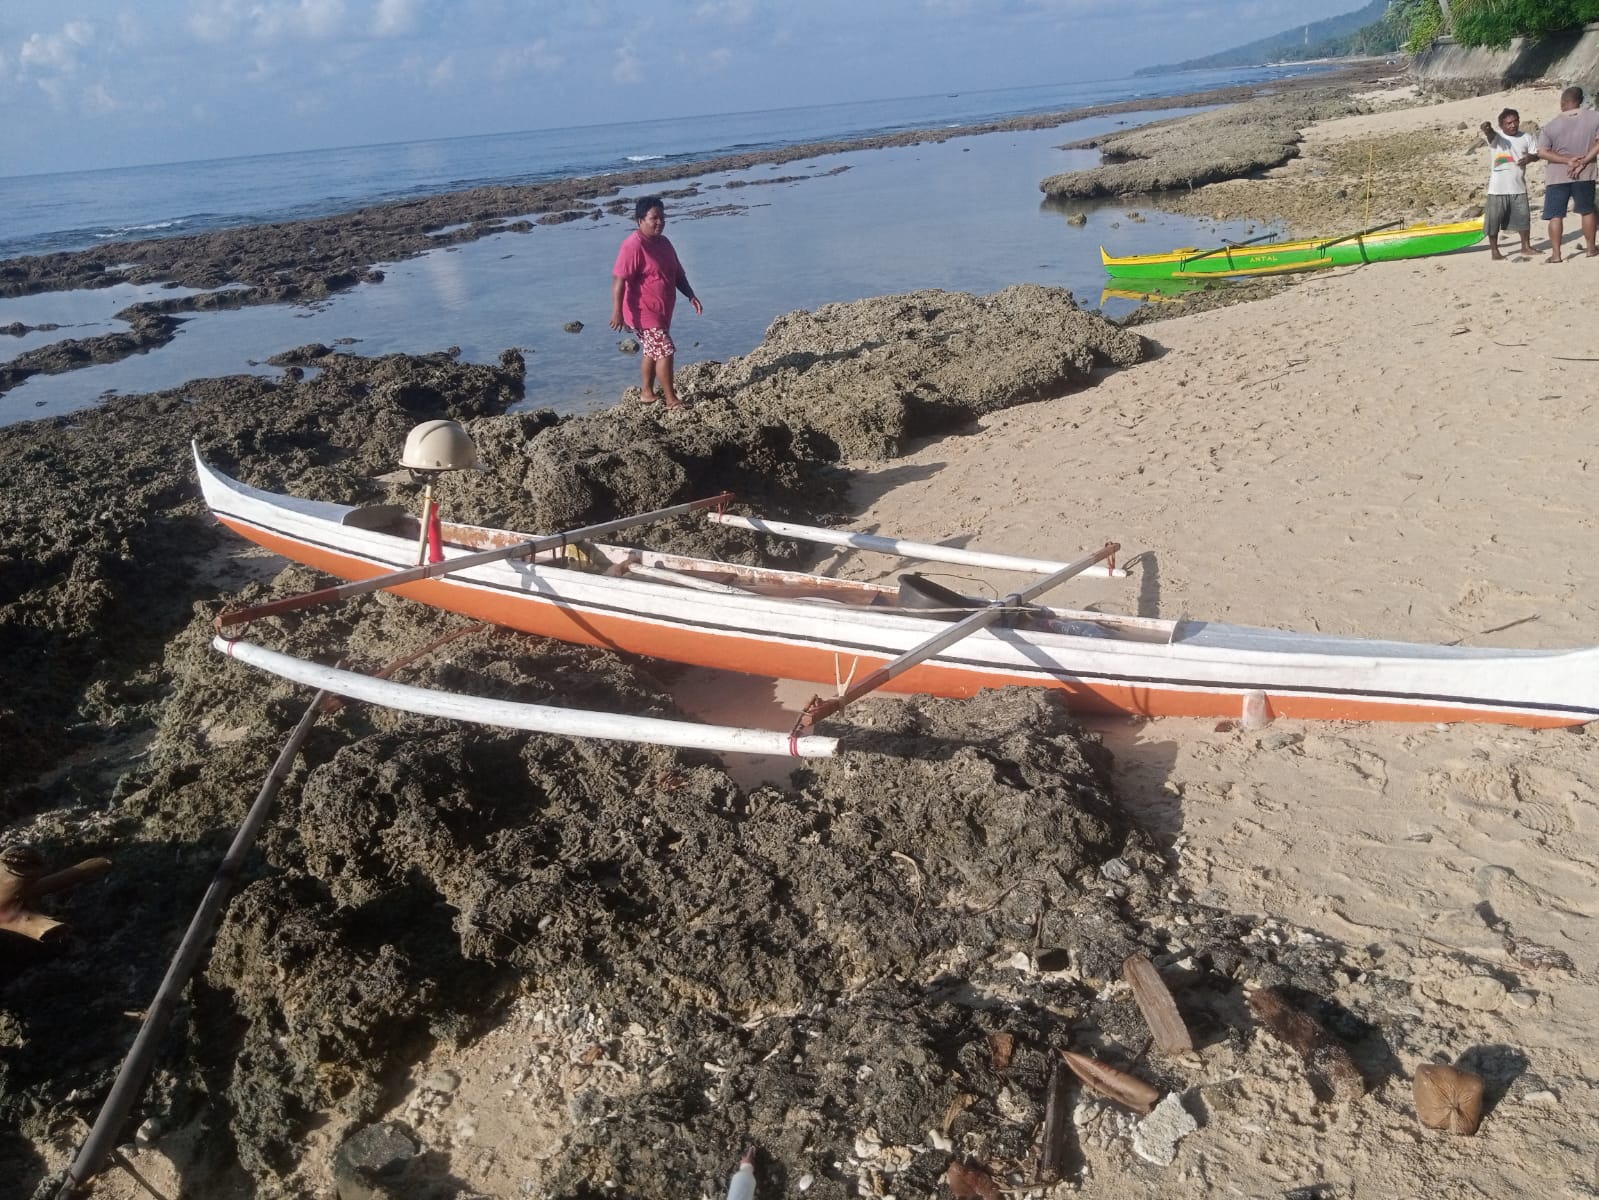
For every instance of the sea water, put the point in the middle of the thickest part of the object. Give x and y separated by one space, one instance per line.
963 214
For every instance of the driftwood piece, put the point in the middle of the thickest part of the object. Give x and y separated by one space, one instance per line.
1118 1086
1052 1164
1155 1001
1448 1098
22 880
1332 1073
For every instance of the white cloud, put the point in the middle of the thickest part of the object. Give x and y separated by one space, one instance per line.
442 72
629 67
271 20
314 19
98 100
213 21
718 58
531 56
733 12
394 18
56 51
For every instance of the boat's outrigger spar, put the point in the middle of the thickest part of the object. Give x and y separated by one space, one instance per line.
856 637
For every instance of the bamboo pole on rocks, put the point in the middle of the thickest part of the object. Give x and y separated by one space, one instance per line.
100 1143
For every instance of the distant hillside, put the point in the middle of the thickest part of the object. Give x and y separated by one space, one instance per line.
1362 32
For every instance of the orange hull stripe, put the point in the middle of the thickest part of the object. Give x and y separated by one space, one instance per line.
754 655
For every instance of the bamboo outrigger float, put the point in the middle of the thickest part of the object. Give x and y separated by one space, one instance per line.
831 632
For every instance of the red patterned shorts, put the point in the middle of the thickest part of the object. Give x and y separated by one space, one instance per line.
656 343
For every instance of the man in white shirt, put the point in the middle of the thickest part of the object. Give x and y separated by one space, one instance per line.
1506 207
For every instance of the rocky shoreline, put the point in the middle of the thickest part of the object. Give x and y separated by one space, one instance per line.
305 261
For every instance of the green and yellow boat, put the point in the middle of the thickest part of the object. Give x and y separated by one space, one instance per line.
1381 244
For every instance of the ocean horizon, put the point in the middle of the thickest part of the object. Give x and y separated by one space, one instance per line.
78 210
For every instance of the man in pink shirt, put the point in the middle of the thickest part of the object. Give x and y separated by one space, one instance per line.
644 287
1569 144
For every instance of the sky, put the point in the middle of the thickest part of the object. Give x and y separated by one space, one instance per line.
108 83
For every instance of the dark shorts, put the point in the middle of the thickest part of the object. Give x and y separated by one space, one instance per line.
656 343
1510 212
1556 196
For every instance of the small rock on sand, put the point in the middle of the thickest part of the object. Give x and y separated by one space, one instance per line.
1155 1138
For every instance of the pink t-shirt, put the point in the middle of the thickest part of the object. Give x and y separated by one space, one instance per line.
650 271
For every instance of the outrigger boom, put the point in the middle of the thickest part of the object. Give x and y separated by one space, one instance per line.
540 718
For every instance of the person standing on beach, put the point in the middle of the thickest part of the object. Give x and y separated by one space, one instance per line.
1568 144
1506 207
644 287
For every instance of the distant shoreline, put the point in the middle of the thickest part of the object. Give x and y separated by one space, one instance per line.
309 260
407 227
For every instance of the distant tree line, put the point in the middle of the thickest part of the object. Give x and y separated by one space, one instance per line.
1485 22
1386 26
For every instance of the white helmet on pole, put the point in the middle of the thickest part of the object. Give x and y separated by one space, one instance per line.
439 446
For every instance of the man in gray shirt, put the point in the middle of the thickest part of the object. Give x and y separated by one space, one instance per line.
1569 144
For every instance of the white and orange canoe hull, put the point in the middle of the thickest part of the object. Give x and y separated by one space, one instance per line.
828 631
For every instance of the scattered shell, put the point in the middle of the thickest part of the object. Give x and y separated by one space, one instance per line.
1448 1098
1124 1089
1116 870
957 1106
1155 1002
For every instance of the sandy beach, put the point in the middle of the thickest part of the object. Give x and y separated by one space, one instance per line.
1404 450
1400 450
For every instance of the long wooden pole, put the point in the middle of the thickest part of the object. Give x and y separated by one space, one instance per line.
818 708
552 541
882 544
101 1141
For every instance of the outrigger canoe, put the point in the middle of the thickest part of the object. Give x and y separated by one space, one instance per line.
1278 258
795 625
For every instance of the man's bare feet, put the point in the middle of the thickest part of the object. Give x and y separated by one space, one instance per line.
1554 258
1496 256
